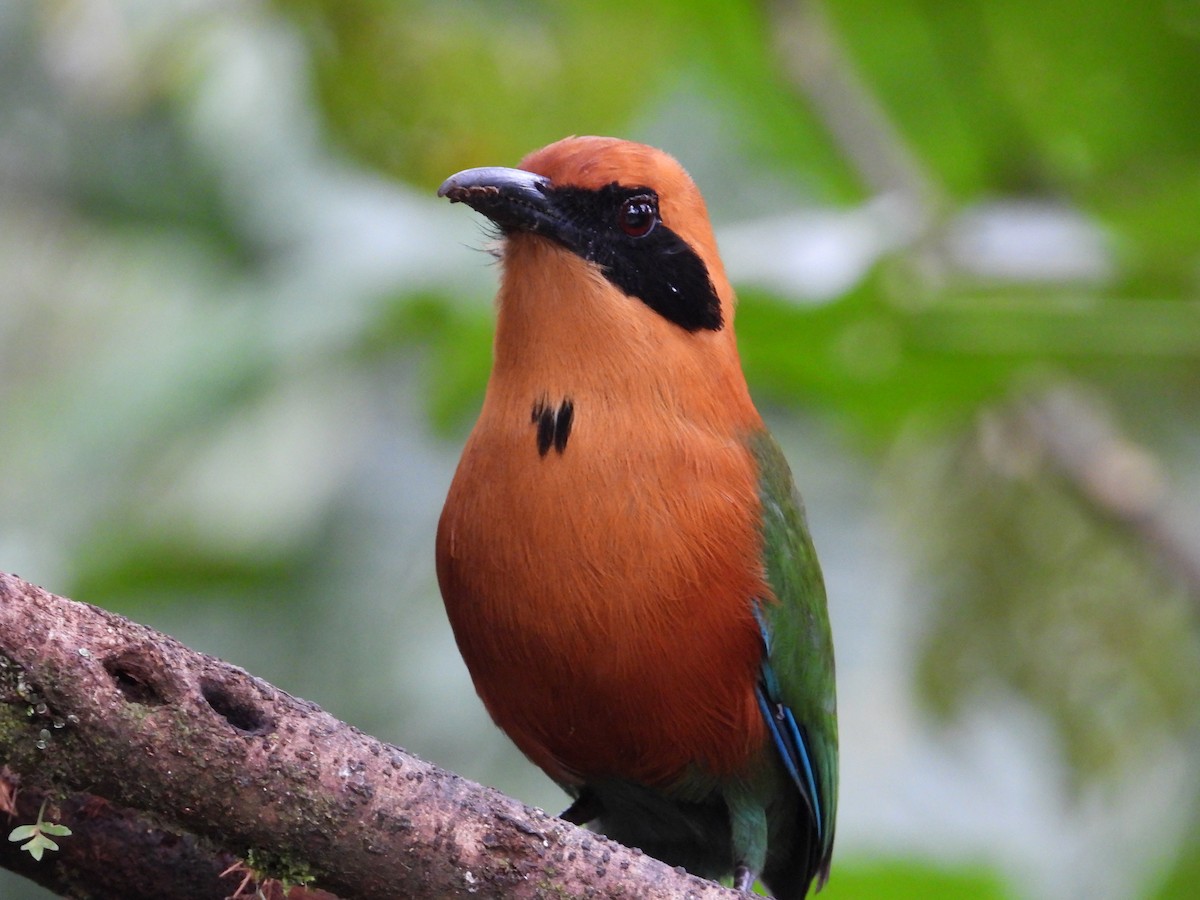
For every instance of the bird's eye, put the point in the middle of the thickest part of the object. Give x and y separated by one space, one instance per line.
638 215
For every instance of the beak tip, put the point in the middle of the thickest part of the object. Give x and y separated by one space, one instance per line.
449 186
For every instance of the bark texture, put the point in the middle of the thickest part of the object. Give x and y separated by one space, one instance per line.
181 753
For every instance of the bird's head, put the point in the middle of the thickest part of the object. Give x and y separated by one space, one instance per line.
629 210
610 276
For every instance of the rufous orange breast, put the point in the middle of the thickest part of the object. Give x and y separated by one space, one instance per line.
599 548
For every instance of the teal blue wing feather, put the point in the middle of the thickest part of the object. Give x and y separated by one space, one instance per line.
790 740
796 690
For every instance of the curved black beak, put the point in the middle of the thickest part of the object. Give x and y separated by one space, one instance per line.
514 199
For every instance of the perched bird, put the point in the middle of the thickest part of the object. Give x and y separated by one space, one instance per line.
624 559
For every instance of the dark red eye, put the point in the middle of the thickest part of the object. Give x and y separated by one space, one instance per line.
638 215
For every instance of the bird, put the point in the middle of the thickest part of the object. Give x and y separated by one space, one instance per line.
623 556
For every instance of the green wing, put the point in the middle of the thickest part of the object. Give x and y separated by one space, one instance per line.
798 691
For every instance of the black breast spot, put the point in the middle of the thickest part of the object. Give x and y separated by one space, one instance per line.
553 424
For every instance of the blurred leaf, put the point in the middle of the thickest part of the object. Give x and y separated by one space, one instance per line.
457 343
1034 594
863 359
469 83
929 73
1009 97
882 364
1180 882
118 155
124 573
1089 101
912 879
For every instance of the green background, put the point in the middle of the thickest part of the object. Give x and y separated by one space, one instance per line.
241 344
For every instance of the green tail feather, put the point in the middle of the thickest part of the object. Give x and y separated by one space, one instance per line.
800 657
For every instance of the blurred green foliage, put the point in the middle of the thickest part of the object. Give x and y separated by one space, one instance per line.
228 325
469 83
905 879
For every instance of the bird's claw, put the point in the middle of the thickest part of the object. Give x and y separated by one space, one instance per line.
743 879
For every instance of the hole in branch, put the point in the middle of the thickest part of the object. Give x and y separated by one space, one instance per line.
134 678
239 711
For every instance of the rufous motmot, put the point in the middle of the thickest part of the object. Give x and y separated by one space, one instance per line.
624 558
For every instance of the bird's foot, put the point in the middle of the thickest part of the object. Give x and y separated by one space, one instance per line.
585 808
743 879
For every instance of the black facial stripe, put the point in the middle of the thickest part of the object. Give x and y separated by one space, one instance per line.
659 268
553 424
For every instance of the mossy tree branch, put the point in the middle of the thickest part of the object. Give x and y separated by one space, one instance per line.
194 747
